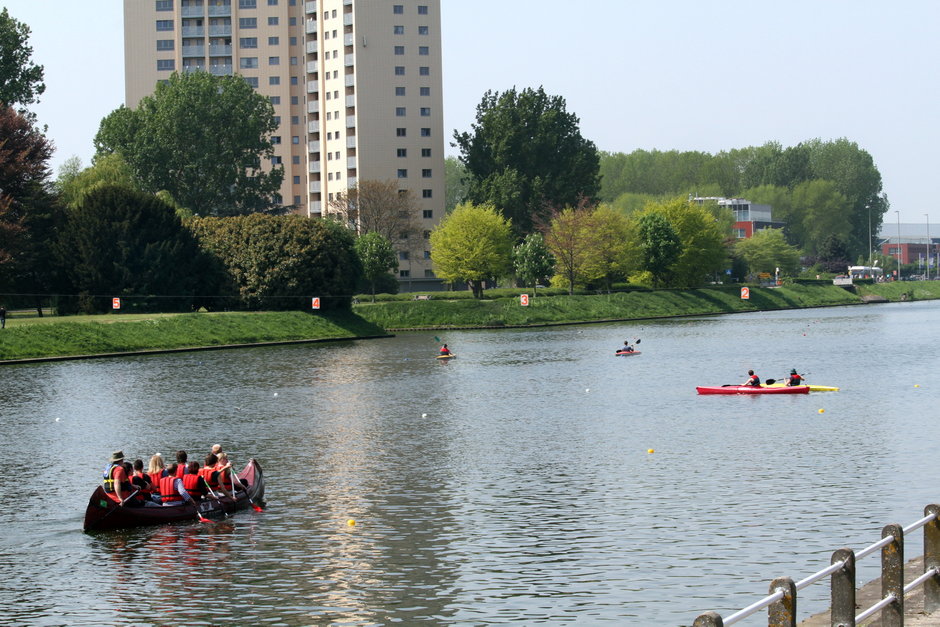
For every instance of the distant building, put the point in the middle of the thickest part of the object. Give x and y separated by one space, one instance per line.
749 217
910 241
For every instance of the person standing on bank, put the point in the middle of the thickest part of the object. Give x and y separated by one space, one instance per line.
3 317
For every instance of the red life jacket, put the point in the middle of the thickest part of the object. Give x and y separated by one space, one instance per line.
126 487
180 470
145 493
194 485
210 475
224 478
155 478
168 492
754 380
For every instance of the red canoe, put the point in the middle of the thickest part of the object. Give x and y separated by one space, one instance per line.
104 513
751 389
626 353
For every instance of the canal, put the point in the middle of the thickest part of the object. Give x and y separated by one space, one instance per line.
512 485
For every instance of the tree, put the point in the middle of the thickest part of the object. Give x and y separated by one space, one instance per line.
202 138
609 235
525 155
472 244
108 170
380 207
532 260
280 262
121 242
659 245
20 78
702 238
570 238
377 257
766 251
824 212
455 183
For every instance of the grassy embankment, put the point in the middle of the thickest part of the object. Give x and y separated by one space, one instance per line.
28 337
33 337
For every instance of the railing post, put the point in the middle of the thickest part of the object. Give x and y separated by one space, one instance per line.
708 619
932 559
892 576
782 613
842 590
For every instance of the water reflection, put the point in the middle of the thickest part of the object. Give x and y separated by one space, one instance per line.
510 485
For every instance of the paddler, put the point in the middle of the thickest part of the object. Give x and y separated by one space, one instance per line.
445 350
752 379
117 484
794 378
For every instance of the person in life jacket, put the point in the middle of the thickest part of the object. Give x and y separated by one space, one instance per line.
226 477
117 484
752 379
172 492
445 350
156 470
794 378
141 481
181 463
193 482
626 348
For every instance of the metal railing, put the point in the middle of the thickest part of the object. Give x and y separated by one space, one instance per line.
781 602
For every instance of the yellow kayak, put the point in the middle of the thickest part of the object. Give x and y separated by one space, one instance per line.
812 388
451 356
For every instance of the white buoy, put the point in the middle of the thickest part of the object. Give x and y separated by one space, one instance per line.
424 415
587 389
57 420
275 395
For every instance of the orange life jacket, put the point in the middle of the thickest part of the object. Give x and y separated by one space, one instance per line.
194 485
211 476
168 492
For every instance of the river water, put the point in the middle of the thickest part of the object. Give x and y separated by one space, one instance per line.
513 485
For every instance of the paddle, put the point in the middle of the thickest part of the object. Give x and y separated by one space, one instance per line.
243 487
217 499
770 381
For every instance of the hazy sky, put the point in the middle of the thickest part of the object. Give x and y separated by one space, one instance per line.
703 75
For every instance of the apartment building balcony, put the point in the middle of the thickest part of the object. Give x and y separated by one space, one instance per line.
351 182
220 30
313 147
314 167
349 60
350 80
347 3
192 11
220 70
314 207
313 106
312 46
347 19
313 87
189 69
350 121
224 10
193 31
351 100
351 163
194 51
349 39
312 67
220 51
314 187
310 27
351 141
310 7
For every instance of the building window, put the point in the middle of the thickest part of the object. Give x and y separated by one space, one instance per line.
425 132
293 21
400 112
273 21
296 200
276 161
275 100
329 156
164 5
403 255
426 193
425 111
398 9
425 91
427 255
274 60
333 15
293 80
293 41
329 115
247 4
164 25
401 132
295 160
427 214
247 63
247 22
424 51
424 70
404 274
398 30
295 119
425 152
399 91
399 50
248 42
426 173
274 80
295 100
252 81
422 30
273 41
296 180
166 65
277 120
272 3
427 235
295 139
422 9
275 139
293 60
399 70
401 152
402 173
166 44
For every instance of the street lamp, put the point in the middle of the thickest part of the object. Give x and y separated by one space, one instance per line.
927 215
868 206
899 244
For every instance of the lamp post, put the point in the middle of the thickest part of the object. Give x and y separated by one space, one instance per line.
899 244
927 215
868 206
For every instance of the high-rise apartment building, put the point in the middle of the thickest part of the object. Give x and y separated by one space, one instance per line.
356 86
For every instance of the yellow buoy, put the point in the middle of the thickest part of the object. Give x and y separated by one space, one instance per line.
650 451
916 385
351 522
822 411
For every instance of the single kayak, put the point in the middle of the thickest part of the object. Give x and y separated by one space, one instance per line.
104 513
751 389
812 388
627 353
451 356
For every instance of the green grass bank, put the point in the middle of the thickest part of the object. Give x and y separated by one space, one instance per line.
27 337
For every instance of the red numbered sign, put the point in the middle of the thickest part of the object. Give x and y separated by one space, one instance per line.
745 293
524 300
115 303
315 303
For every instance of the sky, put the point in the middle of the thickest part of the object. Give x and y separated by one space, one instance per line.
705 75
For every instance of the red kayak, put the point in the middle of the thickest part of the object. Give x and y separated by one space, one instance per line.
626 353
751 389
104 513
